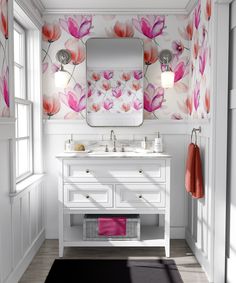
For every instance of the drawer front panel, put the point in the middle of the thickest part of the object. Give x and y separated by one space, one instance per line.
88 195
155 170
140 195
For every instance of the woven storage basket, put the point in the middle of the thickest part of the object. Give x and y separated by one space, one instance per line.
90 228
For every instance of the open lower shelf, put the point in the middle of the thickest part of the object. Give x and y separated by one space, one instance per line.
151 236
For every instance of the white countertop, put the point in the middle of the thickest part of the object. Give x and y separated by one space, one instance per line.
96 154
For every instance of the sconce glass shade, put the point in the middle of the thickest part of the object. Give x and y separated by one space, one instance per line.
61 78
167 79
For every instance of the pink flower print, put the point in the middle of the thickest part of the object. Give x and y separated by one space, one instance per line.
180 70
51 105
76 50
207 103
74 98
195 46
125 107
176 116
96 77
187 33
197 14
118 83
138 75
45 67
137 104
108 104
122 30
177 47
90 92
108 74
78 26
196 95
208 10
136 85
153 98
106 85
117 92
51 32
186 107
150 52
151 26
4 18
202 59
96 107
126 77
55 67
4 87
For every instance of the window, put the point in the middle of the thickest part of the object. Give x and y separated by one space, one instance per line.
23 107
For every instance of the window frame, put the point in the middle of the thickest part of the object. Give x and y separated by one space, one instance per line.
23 99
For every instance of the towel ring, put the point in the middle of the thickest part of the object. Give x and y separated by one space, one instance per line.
194 130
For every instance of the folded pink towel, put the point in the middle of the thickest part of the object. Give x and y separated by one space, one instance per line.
113 226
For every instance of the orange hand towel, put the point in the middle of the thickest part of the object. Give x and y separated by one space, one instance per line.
190 169
198 189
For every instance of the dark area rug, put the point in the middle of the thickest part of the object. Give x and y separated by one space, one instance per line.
113 271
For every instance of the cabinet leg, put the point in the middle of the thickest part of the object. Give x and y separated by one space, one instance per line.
61 250
167 249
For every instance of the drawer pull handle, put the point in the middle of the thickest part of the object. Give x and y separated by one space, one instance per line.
141 171
87 171
140 196
87 196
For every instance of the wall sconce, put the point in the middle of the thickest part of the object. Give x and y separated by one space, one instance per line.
62 76
167 76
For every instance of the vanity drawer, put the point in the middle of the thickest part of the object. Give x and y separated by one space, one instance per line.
140 195
88 195
120 171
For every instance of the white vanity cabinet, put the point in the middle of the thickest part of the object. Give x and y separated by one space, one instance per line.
91 184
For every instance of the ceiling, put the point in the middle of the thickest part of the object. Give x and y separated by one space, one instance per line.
178 6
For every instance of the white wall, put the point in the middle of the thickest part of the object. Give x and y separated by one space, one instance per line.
231 212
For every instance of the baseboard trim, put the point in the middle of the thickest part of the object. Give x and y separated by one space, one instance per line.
202 259
21 267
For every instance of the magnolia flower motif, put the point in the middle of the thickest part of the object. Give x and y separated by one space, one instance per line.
178 47
108 74
208 10
187 33
96 77
125 107
137 104
136 85
202 59
96 107
195 46
181 69
207 103
126 77
196 95
90 92
153 98
51 105
4 87
4 18
108 104
186 107
204 34
116 92
76 49
150 52
74 98
122 30
138 75
106 85
78 26
197 14
151 26
51 32
176 116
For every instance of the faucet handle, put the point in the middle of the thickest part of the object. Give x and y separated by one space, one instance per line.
122 148
106 148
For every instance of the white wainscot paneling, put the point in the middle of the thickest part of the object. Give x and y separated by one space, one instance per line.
56 132
199 218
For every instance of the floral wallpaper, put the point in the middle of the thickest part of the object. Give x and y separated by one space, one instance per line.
4 80
115 91
187 37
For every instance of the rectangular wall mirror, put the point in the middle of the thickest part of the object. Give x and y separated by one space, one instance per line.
114 82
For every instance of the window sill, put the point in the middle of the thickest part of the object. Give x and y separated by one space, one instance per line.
27 183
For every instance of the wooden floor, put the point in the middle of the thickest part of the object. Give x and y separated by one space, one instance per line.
188 266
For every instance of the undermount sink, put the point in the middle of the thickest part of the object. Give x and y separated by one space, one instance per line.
111 153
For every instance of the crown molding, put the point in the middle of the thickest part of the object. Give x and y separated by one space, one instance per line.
115 11
39 5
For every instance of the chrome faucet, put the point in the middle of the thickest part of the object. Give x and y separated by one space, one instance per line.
113 138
